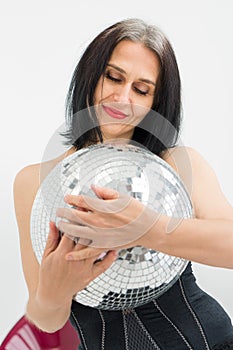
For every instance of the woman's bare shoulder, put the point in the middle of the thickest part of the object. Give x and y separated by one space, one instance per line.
201 182
28 179
187 162
173 156
182 160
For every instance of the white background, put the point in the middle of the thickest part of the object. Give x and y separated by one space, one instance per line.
41 41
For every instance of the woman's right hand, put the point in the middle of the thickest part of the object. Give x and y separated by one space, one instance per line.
60 278
53 282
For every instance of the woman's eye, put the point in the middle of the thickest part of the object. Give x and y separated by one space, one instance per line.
139 88
141 92
113 78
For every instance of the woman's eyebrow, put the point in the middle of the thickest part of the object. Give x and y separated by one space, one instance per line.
124 72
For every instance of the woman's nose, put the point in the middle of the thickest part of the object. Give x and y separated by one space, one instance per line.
123 93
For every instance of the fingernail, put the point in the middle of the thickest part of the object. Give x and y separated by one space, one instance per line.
114 253
66 198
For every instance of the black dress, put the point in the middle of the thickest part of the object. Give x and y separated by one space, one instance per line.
184 317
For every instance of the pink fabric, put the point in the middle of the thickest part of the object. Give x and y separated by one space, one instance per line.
25 336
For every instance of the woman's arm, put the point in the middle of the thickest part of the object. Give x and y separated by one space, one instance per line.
25 188
204 241
52 284
207 238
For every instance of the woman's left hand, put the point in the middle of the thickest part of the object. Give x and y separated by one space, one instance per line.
112 220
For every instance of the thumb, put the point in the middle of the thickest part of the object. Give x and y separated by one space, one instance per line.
104 192
52 239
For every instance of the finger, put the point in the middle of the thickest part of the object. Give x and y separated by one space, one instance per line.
66 244
53 239
76 217
104 264
72 254
84 242
104 192
115 203
101 238
76 230
79 245
80 201
87 253
71 214
109 200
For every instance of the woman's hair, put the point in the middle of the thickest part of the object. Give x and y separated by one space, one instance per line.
160 128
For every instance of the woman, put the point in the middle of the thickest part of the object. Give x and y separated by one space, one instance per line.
129 74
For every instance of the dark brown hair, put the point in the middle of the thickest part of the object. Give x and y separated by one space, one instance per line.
159 129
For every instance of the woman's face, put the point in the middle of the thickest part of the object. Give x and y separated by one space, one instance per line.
125 92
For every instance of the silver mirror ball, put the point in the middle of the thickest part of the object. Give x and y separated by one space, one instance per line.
138 275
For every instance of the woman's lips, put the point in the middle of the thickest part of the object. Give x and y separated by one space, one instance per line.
114 113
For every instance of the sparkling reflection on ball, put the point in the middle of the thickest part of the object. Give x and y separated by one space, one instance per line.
139 274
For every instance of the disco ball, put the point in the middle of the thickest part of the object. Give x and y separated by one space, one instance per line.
138 275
